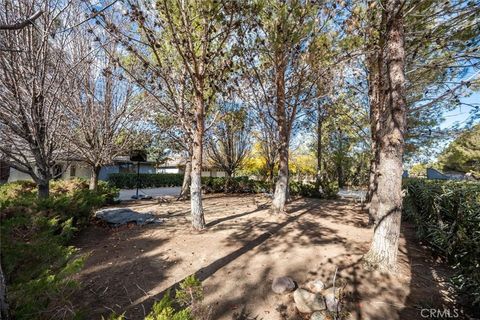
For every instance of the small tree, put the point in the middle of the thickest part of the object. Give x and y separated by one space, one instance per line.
229 141
35 73
104 113
176 138
277 69
186 40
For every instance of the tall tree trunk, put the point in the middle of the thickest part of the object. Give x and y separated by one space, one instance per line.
384 247
371 196
340 174
318 180
280 197
4 171
340 170
375 103
186 180
198 220
271 175
375 62
95 171
43 187
4 312
228 181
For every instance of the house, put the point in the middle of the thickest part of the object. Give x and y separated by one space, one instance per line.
122 164
176 164
447 175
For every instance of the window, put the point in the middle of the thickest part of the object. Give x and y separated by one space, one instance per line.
57 171
126 167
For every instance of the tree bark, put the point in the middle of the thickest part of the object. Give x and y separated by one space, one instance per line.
198 220
4 171
229 181
280 196
375 102
375 61
271 176
340 171
43 187
95 171
384 247
186 180
22 24
340 174
318 180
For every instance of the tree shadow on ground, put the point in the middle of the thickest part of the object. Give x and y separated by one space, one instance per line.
207 271
130 269
418 283
108 285
338 210
430 291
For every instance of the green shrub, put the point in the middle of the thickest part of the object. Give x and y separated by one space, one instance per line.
164 310
214 184
38 262
146 180
246 185
447 215
189 297
233 185
329 188
190 291
115 316
303 189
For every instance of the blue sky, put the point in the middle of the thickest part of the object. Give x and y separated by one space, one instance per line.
461 115
457 117
454 118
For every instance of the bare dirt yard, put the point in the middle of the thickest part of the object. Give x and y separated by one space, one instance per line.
242 249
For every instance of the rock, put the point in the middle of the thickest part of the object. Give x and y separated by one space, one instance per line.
307 302
315 286
332 303
318 315
331 299
283 285
120 216
329 291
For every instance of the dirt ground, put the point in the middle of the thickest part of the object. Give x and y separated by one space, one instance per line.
243 249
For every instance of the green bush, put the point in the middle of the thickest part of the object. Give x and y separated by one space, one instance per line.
303 189
164 310
329 188
246 185
447 216
146 180
35 233
233 185
188 297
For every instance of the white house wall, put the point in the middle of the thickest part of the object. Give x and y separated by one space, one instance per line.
168 170
16 175
220 174
83 171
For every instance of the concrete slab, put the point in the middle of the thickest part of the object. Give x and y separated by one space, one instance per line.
126 194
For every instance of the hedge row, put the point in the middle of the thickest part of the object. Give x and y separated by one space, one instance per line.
447 216
215 184
234 185
246 185
146 180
